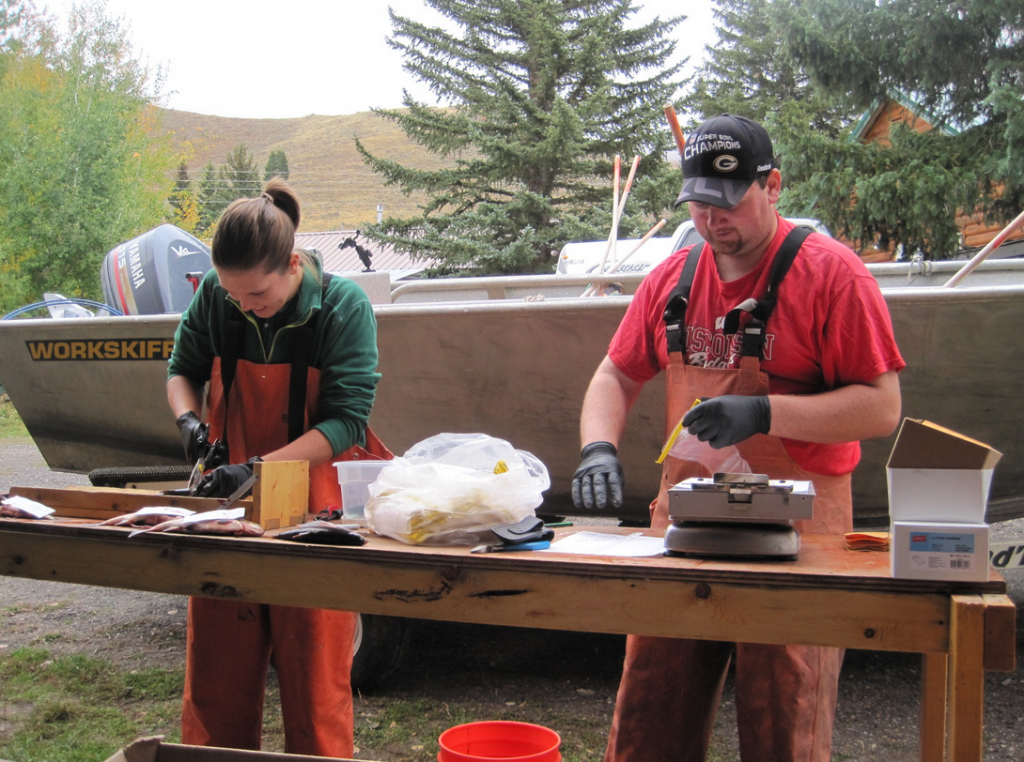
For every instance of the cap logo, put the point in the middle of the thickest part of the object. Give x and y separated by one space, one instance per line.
725 163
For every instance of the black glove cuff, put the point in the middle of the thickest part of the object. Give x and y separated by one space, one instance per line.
764 415
185 418
596 447
254 459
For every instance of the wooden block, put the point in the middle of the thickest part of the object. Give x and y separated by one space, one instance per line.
1000 633
107 502
281 495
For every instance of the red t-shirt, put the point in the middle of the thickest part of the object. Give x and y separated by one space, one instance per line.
830 328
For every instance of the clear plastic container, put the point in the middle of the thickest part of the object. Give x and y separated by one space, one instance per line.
355 478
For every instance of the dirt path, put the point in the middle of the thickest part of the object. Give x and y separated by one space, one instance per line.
483 671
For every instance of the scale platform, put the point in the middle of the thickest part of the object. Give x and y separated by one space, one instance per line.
737 516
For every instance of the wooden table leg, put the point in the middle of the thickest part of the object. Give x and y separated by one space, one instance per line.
966 678
934 668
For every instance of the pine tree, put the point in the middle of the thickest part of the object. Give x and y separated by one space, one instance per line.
962 64
277 166
182 188
211 199
542 95
748 72
240 175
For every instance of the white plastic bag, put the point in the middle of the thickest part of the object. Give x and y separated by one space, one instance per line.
451 489
726 460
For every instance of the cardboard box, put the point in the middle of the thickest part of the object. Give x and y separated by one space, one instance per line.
939 551
935 474
155 750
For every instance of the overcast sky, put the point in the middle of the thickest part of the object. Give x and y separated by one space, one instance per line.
290 58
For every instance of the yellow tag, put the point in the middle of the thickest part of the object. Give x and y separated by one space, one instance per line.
500 467
675 434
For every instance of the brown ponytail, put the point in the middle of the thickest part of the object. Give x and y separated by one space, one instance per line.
258 232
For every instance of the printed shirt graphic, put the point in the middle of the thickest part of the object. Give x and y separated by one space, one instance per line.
830 328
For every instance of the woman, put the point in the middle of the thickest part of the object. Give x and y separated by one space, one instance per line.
290 355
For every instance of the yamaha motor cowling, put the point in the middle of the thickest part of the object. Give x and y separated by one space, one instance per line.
155 273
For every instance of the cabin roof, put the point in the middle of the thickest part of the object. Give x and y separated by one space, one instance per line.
899 106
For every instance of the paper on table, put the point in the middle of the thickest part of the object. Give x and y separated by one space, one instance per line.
633 545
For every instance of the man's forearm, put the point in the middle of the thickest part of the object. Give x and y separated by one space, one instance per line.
849 414
607 404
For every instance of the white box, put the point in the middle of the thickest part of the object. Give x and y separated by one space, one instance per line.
939 551
935 474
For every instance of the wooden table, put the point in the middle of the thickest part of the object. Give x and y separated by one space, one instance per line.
829 597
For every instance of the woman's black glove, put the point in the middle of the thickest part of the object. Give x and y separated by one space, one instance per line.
599 480
724 421
194 435
221 482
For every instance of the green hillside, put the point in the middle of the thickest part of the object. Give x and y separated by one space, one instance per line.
336 190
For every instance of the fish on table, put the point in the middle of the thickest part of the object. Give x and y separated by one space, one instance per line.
218 522
148 516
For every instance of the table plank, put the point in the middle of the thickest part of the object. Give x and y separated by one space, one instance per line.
656 596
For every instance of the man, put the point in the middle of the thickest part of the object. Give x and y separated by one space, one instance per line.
793 389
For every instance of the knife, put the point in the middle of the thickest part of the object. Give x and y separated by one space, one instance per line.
239 493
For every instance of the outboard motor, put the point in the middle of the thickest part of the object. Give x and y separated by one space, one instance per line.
149 275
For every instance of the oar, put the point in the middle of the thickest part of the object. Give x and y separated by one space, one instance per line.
614 234
592 288
677 132
641 242
980 257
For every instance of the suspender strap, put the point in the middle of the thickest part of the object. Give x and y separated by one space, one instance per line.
234 329
678 298
761 309
302 352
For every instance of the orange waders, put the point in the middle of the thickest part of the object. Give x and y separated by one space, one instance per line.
230 643
670 688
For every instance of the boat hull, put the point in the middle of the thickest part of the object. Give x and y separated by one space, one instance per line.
91 391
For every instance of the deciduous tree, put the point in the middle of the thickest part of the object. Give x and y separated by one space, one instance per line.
82 164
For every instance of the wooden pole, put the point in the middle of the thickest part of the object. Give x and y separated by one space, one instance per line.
614 234
677 132
980 257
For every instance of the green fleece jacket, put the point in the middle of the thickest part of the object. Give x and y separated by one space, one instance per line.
344 346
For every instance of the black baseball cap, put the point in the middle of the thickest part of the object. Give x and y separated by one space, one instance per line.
722 158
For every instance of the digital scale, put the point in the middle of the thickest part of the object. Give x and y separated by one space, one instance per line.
737 515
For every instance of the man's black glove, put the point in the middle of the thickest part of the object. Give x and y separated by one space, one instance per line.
599 480
724 421
194 435
222 481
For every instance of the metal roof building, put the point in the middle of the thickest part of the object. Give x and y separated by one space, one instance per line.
343 251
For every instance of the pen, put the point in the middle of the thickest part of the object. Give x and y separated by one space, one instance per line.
558 524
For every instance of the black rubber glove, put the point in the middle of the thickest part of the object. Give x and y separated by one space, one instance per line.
221 482
599 480
724 421
194 434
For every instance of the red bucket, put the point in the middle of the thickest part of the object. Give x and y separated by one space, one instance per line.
507 741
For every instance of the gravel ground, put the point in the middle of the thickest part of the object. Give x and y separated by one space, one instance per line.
877 718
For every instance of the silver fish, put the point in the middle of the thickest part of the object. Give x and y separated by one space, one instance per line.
235 527
139 519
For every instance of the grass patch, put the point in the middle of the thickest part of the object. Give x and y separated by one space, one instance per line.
10 421
78 709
